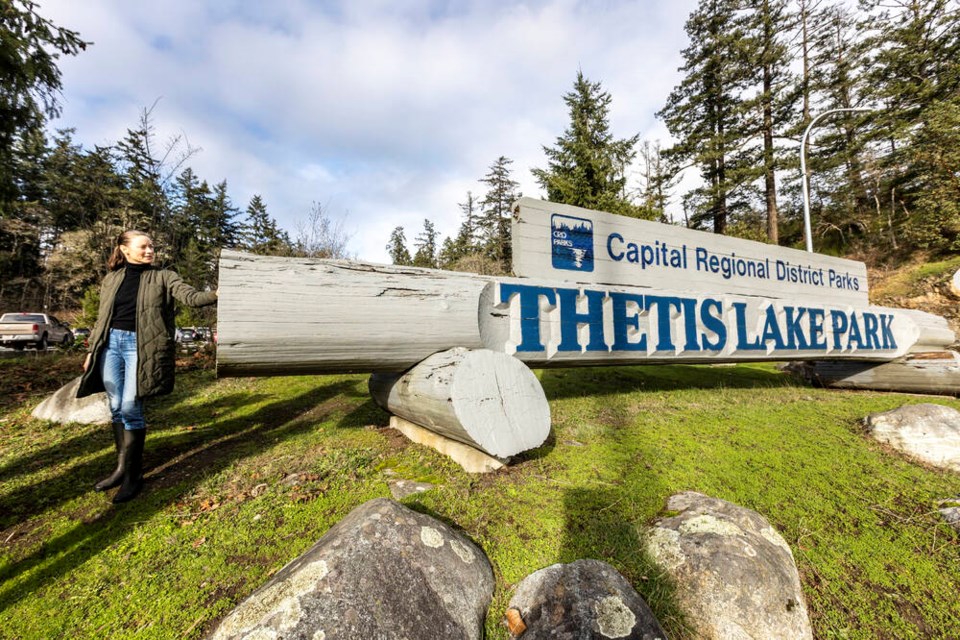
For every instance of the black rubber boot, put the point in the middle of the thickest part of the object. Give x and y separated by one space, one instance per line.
115 478
132 465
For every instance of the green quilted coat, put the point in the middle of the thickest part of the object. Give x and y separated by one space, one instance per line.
156 349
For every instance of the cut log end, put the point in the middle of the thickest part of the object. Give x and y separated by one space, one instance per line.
487 400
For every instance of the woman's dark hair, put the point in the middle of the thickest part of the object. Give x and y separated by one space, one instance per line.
116 259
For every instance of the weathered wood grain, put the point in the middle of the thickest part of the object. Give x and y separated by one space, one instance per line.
283 316
532 258
936 373
487 400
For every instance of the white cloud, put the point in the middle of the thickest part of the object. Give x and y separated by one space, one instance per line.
385 112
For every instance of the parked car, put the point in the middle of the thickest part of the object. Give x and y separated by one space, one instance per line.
18 330
185 335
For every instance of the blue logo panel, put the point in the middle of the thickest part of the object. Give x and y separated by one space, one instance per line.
571 242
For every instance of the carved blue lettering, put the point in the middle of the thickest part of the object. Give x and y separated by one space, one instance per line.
795 336
664 305
817 339
529 312
690 324
570 320
742 342
610 239
854 333
771 329
886 328
713 323
838 320
622 322
871 328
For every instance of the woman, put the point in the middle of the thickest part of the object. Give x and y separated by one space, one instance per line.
132 350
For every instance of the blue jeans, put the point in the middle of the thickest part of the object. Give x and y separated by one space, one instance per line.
119 372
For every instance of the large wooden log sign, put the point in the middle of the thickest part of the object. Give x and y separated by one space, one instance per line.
283 316
598 289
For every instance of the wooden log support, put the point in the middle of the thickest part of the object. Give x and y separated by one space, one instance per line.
935 373
484 399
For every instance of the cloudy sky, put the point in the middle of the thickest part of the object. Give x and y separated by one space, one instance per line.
384 112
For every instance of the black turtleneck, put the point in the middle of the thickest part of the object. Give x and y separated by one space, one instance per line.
125 304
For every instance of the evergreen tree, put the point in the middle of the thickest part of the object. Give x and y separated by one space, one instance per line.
223 219
143 172
80 187
151 175
426 247
30 159
915 76
397 248
496 210
836 157
261 234
466 242
769 114
30 46
705 114
936 155
588 166
189 221
656 181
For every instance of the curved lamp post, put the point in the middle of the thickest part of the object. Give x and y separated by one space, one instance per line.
807 234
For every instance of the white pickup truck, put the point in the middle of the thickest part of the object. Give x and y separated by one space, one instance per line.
17 330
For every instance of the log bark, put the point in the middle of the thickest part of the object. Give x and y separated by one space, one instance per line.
484 399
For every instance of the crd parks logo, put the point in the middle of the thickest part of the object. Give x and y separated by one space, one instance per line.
571 240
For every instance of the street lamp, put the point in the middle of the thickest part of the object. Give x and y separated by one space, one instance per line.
807 234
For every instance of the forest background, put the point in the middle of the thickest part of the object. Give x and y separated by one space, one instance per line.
885 179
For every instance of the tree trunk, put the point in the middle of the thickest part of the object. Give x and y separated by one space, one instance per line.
769 161
487 400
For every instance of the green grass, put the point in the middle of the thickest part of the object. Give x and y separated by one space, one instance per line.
223 510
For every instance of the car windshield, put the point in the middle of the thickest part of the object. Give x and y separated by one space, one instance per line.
22 317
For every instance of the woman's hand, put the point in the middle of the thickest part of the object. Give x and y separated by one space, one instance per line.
86 362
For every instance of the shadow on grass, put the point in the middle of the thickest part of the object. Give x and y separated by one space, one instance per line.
75 480
194 455
606 520
601 381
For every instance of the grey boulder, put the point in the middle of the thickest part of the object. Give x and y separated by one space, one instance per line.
583 600
735 576
928 432
63 406
950 511
383 572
